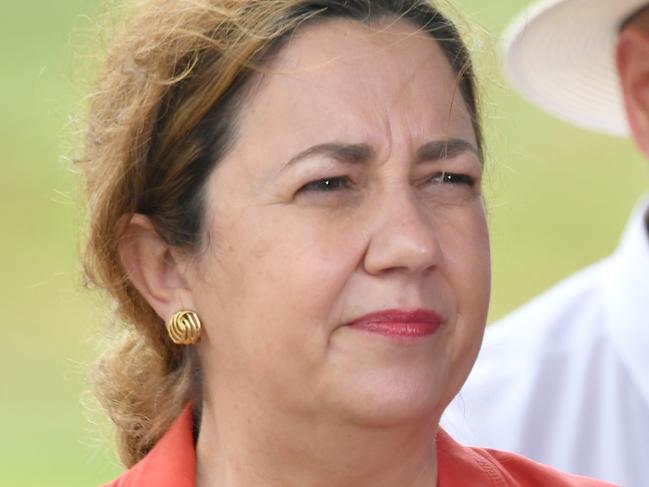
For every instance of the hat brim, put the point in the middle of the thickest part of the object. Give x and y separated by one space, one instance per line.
561 55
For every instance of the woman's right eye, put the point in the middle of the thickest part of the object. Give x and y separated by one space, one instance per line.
326 185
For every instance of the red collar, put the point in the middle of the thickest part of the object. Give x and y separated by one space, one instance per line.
172 463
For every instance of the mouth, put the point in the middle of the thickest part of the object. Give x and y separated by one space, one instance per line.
399 324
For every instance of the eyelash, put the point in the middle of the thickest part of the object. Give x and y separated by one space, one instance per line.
328 185
453 178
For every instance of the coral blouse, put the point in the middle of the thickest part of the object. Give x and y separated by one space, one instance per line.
172 463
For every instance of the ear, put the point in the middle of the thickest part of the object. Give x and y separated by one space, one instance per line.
633 68
153 268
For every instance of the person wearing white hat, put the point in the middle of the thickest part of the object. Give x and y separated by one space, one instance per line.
565 379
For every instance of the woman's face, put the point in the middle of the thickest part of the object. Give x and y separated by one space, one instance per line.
353 189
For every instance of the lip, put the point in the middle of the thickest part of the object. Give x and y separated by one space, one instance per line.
400 324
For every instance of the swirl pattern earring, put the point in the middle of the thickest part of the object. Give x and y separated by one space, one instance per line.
184 328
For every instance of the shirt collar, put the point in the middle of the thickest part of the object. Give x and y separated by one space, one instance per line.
171 463
626 285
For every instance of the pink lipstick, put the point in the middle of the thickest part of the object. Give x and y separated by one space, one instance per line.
400 324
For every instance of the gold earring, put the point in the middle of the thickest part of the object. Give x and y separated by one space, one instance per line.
184 328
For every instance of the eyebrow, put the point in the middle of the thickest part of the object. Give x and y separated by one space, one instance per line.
363 153
349 153
445 149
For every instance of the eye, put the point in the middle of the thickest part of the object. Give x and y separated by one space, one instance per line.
326 185
453 178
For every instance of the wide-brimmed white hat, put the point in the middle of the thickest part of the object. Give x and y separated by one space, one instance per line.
561 55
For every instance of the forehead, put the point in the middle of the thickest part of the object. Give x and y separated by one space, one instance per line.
351 42
368 79
389 53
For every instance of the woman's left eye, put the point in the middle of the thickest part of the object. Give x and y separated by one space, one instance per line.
326 185
452 178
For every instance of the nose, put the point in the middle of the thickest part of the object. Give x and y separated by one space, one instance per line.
402 238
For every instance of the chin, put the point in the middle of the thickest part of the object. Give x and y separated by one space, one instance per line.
394 398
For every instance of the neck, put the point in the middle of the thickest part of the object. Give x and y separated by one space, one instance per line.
237 449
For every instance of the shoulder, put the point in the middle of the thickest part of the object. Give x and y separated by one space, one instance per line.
557 330
461 465
564 318
568 300
522 471
538 352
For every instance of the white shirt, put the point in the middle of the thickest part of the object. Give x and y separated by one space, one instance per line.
565 379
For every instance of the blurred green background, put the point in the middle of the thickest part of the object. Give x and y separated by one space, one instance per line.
558 197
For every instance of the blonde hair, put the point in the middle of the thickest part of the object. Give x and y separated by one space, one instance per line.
162 114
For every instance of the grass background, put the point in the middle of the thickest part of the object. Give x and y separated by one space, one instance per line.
558 196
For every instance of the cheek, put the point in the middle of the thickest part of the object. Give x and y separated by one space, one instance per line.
282 286
467 268
287 273
303 257
467 258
